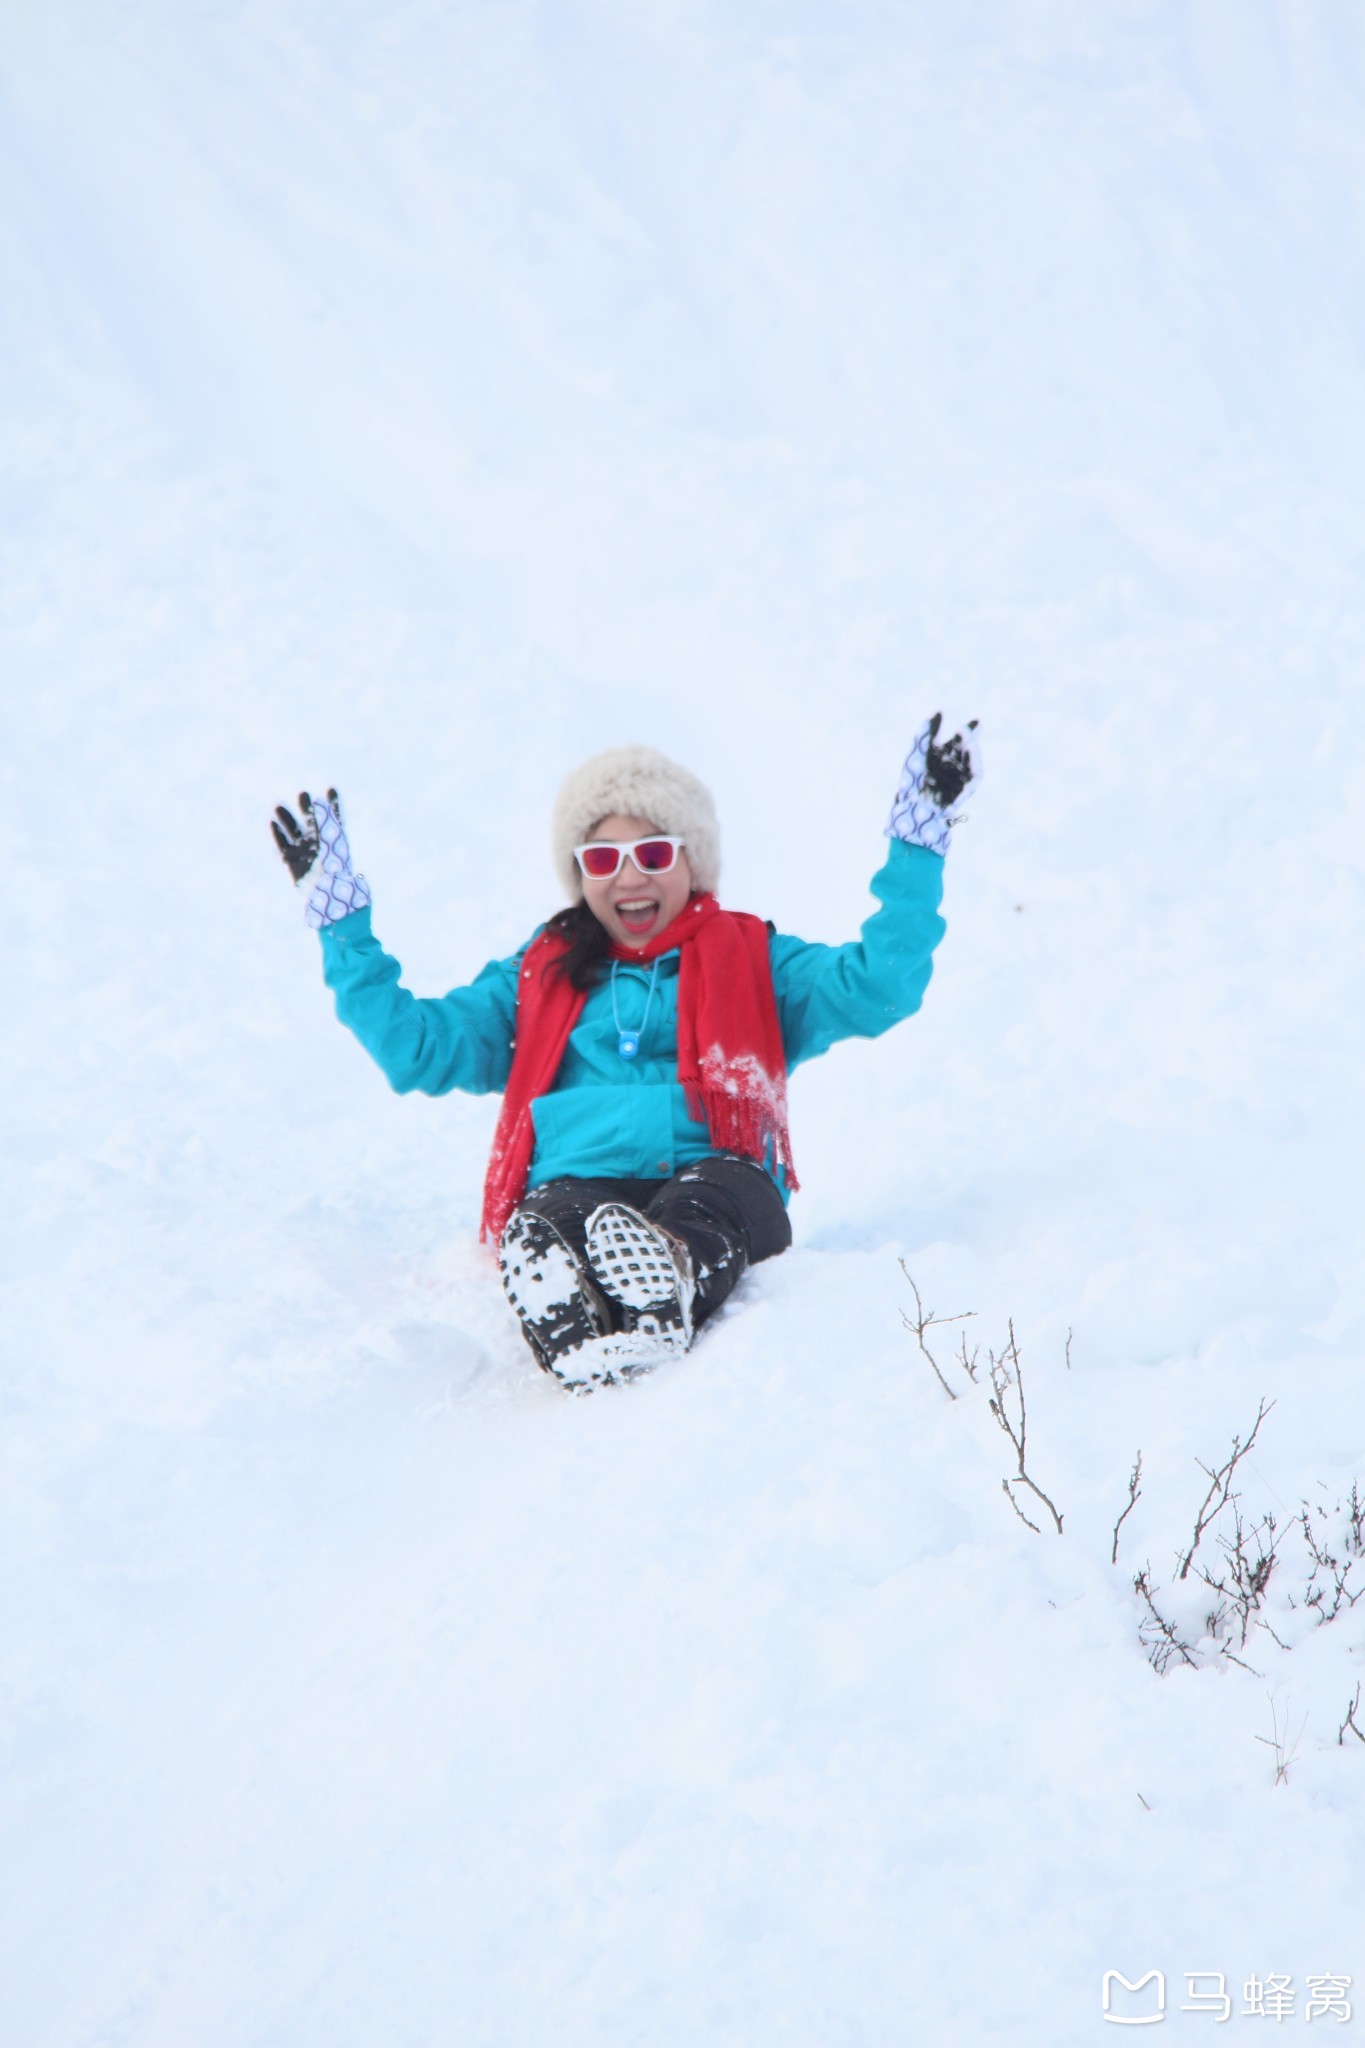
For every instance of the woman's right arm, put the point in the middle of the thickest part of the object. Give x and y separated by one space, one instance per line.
430 1043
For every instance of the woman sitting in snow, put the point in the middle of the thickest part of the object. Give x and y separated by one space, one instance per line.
642 1040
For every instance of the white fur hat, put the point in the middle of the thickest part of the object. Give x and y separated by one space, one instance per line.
637 782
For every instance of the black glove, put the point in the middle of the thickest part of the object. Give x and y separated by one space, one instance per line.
320 839
936 776
949 767
298 843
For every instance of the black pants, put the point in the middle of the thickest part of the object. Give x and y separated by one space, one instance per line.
725 1209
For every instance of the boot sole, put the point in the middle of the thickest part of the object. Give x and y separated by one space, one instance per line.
550 1294
636 1265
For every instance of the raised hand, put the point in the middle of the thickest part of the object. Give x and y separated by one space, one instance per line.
320 839
298 843
936 776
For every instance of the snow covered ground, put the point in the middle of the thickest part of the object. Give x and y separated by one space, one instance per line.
423 396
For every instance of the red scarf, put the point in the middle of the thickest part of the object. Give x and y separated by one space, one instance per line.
730 1057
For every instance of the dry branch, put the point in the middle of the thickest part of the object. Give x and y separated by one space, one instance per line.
1134 1495
1168 1644
1279 1741
1355 1519
1250 1555
1005 1489
1220 1486
1006 1373
925 1319
1329 1577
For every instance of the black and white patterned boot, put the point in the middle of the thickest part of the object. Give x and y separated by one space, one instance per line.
561 1313
649 1272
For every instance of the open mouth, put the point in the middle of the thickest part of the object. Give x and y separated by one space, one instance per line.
637 914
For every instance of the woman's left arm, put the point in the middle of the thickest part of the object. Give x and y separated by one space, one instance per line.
825 993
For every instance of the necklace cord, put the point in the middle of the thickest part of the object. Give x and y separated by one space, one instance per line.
628 1042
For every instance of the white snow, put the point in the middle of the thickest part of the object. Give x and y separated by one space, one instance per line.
418 398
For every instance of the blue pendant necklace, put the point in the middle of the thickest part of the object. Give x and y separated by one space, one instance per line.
628 1042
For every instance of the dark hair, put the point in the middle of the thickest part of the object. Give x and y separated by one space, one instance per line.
588 947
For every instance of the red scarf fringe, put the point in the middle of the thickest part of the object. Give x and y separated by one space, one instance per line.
731 1061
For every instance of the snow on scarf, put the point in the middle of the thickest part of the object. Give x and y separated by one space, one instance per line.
730 1058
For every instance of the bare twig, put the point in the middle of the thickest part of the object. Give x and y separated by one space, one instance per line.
925 1319
1168 1644
1006 1373
1005 1489
1355 1519
1220 1486
1068 1350
1330 1574
1134 1495
1250 1555
1278 1740
1249 1668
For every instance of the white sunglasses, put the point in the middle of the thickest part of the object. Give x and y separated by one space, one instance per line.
603 858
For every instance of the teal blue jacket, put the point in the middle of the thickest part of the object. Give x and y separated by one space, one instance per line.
619 1118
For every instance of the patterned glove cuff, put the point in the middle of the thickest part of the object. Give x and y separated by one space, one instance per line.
337 889
914 817
934 781
920 823
336 896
